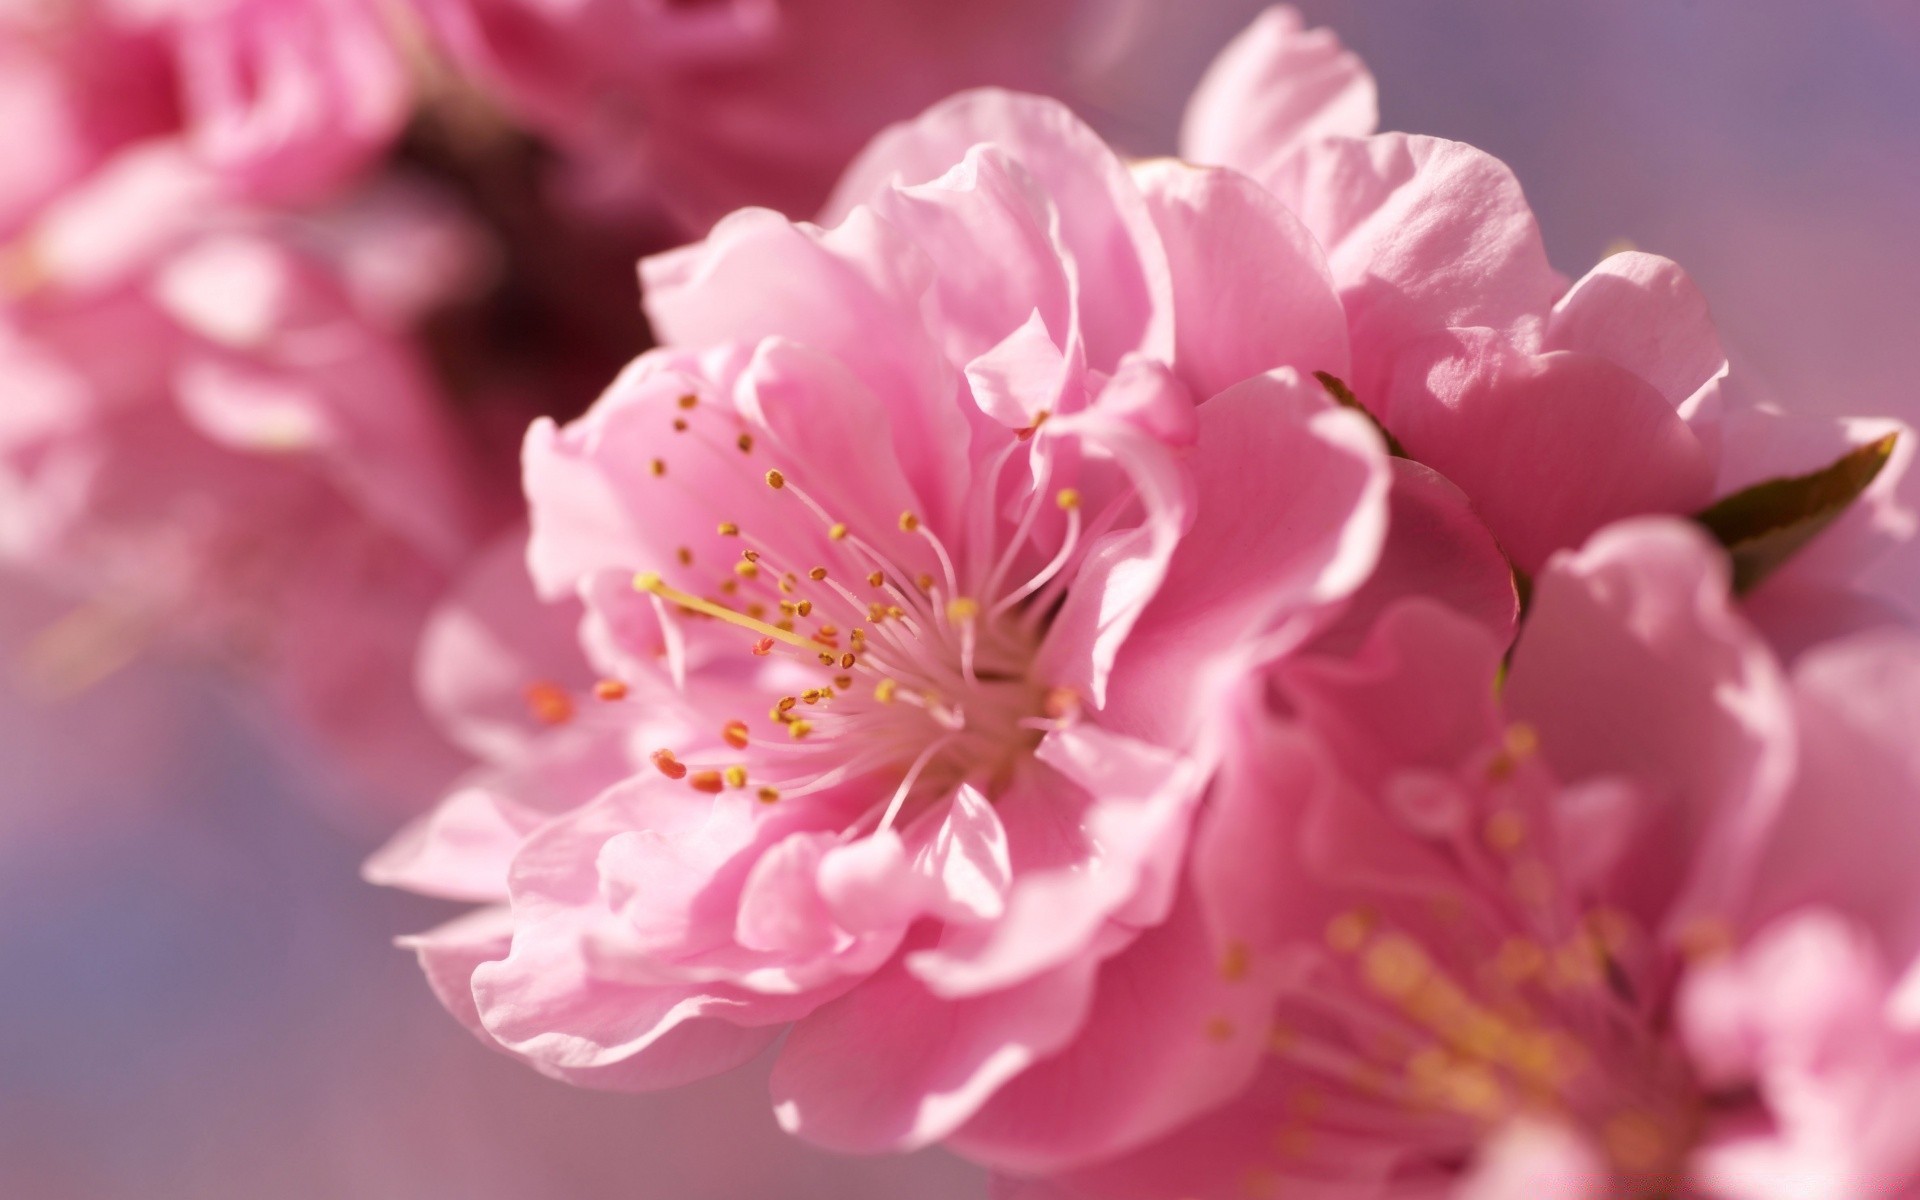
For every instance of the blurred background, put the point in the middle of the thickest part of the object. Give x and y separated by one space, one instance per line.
198 998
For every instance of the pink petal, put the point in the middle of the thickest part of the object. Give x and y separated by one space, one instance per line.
1119 268
1421 235
1275 86
1250 288
943 1058
1641 312
1549 447
1635 664
1170 1035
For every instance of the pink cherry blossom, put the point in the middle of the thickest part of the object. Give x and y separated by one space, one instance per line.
912 562
705 107
1636 923
1556 408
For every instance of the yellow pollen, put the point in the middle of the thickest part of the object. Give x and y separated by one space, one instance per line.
817 574
1634 1141
768 794
876 578
786 703
962 608
745 442
1234 961
1395 965
658 466
847 661
837 531
799 729
729 529
1067 498
736 776
1347 932
747 570
804 607
883 691
843 682
650 581
826 660
811 696
1505 831
787 583
909 522
688 401
776 480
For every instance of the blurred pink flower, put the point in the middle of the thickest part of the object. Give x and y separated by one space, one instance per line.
702 108
1638 923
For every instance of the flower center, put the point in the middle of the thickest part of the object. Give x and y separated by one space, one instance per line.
1509 998
889 655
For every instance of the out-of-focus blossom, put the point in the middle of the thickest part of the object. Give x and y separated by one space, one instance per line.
1640 923
280 291
702 108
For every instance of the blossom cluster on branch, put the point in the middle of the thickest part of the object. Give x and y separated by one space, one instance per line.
1177 679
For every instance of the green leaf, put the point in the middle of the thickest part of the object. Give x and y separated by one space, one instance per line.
1764 525
1344 397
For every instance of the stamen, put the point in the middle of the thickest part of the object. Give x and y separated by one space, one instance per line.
734 733
706 781
669 766
776 480
610 689
650 581
689 400
548 703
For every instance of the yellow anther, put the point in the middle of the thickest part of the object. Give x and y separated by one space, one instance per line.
650 581
876 578
658 466
1395 965
788 583
755 609
909 522
768 795
817 574
799 729
925 583
804 607
745 442
847 661
736 776
1234 961
1347 932
689 400
685 556
786 703
776 480
811 696
729 587
1067 498
843 682
884 690
826 660
747 569
962 608
788 607
729 529
1505 830
752 556
837 531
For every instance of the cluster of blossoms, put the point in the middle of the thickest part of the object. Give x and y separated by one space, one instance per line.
283 281
1220 678
1214 678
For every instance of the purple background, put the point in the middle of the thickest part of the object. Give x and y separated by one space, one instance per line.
197 998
